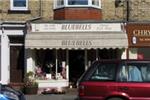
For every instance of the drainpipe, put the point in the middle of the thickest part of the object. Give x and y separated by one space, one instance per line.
128 11
127 19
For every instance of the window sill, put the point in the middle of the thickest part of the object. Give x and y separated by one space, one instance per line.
19 11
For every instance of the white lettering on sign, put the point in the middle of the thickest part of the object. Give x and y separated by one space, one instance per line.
76 27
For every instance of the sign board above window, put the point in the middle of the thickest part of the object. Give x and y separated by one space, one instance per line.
77 27
139 34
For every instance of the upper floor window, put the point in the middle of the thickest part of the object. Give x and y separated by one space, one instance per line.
77 3
96 2
19 4
60 2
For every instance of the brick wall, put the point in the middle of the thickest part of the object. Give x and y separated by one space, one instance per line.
110 12
77 14
41 9
139 10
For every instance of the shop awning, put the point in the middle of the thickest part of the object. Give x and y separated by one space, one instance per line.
76 40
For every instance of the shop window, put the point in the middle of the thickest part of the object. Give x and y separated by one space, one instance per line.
47 67
19 4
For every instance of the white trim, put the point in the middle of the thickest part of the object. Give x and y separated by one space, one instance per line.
18 8
5 59
14 32
10 25
16 44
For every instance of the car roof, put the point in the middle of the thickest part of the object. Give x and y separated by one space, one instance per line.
118 60
121 60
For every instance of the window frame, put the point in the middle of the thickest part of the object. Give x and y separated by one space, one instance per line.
66 4
12 7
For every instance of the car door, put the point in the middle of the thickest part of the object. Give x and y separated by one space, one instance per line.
134 81
101 82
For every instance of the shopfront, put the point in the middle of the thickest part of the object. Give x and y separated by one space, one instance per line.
60 53
139 40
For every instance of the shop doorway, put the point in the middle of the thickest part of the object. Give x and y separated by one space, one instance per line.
76 65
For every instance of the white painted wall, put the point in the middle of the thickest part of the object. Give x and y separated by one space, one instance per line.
30 62
5 59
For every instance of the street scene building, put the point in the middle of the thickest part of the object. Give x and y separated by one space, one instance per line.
58 40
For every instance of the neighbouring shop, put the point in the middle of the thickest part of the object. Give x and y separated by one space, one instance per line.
12 53
59 54
139 40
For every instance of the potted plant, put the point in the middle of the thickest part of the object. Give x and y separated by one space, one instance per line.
30 86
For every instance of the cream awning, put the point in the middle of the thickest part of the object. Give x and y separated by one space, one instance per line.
76 40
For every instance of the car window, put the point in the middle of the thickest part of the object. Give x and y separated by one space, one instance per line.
135 72
104 72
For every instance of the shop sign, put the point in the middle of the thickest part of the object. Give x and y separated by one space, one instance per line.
139 36
76 43
77 27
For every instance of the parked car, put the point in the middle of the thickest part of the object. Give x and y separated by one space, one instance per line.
8 93
116 80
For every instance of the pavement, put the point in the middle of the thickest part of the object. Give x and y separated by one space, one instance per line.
71 94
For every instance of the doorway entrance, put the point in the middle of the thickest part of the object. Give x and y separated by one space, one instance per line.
76 65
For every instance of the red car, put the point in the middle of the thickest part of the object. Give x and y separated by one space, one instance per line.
116 80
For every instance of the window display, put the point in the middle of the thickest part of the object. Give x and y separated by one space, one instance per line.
47 68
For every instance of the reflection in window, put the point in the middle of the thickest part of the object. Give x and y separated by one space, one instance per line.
104 72
19 3
135 72
77 2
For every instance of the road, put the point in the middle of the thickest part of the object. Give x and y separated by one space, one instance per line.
51 97
70 95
